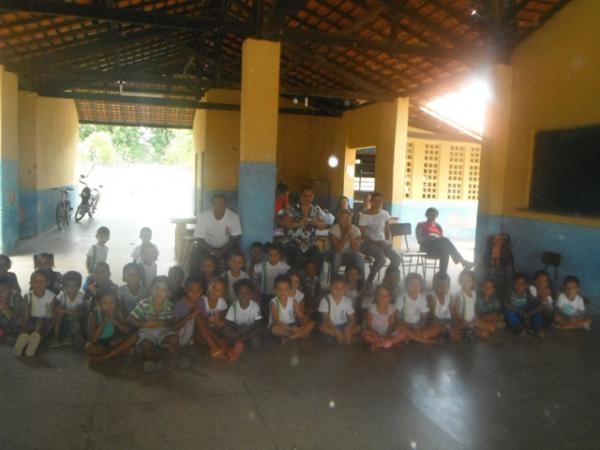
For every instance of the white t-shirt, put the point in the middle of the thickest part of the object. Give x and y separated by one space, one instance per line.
381 322
339 313
148 273
412 309
41 307
248 316
67 303
375 224
568 307
467 305
215 232
298 296
231 280
266 273
285 315
136 254
442 311
221 306
337 232
97 253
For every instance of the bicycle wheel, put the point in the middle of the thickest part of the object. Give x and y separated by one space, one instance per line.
67 213
60 215
81 210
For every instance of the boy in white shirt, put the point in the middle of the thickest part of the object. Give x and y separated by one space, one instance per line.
337 313
235 273
266 271
68 311
414 312
570 308
38 311
99 251
243 321
145 237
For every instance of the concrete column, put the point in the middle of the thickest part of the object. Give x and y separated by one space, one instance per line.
258 138
494 151
9 168
390 161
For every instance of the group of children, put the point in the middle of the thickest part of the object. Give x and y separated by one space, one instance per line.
226 310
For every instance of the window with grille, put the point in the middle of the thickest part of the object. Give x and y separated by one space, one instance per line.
455 172
431 170
473 168
410 150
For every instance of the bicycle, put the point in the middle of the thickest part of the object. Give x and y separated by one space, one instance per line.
89 200
63 208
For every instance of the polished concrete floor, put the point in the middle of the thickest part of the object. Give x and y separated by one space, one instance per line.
508 392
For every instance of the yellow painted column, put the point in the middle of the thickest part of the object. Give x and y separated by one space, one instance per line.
258 138
494 151
390 160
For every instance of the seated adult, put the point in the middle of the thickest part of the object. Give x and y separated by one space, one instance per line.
374 225
218 231
301 222
366 205
282 201
345 239
430 236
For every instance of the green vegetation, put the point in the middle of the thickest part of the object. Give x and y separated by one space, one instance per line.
115 144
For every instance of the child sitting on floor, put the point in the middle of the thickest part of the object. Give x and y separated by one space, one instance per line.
391 279
570 308
441 307
45 263
69 312
243 321
268 270
381 325
153 318
296 290
541 291
488 307
465 302
236 263
338 318
38 312
209 269
109 332
257 256
211 320
286 320
9 322
133 291
414 312
176 277
311 281
185 312
520 310
98 252
99 281
5 265
355 285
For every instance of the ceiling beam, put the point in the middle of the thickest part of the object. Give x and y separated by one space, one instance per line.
127 15
279 12
172 102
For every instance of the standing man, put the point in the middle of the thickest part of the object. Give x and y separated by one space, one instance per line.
218 231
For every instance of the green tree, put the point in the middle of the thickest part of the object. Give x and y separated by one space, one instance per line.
99 147
179 150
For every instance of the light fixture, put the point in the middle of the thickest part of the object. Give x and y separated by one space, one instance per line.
474 12
295 100
306 102
333 161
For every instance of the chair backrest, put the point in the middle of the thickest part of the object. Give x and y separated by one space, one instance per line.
401 229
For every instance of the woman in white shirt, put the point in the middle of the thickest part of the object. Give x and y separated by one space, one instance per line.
345 241
374 225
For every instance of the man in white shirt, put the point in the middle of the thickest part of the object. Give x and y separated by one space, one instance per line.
218 231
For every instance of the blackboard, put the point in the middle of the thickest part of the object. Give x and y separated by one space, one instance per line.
566 171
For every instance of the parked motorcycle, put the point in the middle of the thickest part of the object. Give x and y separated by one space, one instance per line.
89 200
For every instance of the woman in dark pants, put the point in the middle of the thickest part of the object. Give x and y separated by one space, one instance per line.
432 241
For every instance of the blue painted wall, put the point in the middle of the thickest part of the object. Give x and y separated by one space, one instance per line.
38 209
578 245
256 198
9 201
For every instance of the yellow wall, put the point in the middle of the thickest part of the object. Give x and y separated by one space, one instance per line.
49 135
8 111
555 84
